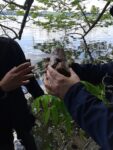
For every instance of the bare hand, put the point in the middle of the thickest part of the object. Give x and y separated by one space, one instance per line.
16 77
58 84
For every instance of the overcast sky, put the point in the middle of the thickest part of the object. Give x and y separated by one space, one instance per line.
20 1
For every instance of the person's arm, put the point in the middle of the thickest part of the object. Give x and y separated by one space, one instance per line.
33 86
87 110
92 73
91 114
14 78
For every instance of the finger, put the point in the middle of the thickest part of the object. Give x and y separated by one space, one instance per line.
49 86
46 81
25 71
71 71
45 77
50 92
53 73
25 77
50 79
25 82
13 69
22 66
49 89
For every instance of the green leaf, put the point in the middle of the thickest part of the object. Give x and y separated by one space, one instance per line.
54 115
75 2
36 104
20 13
98 91
12 6
68 125
45 102
46 116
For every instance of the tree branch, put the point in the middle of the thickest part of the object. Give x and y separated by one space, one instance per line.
28 4
86 46
98 18
84 14
2 26
87 49
11 2
5 32
1 11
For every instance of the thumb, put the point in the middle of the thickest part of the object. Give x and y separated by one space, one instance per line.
13 69
72 72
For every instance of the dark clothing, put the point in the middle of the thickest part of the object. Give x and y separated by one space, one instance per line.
14 112
28 141
2 94
6 139
87 110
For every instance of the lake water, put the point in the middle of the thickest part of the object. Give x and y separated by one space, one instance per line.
33 35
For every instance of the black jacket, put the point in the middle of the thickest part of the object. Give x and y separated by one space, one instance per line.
90 113
14 112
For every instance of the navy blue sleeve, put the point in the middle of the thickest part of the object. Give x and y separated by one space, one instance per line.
92 73
91 114
33 86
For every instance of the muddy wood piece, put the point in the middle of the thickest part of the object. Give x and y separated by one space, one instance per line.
58 61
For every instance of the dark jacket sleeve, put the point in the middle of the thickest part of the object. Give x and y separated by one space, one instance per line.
91 114
93 73
3 94
33 86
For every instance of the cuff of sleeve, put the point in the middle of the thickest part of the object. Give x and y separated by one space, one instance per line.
71 93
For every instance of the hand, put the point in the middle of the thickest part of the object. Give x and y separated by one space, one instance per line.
16 77
58 84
